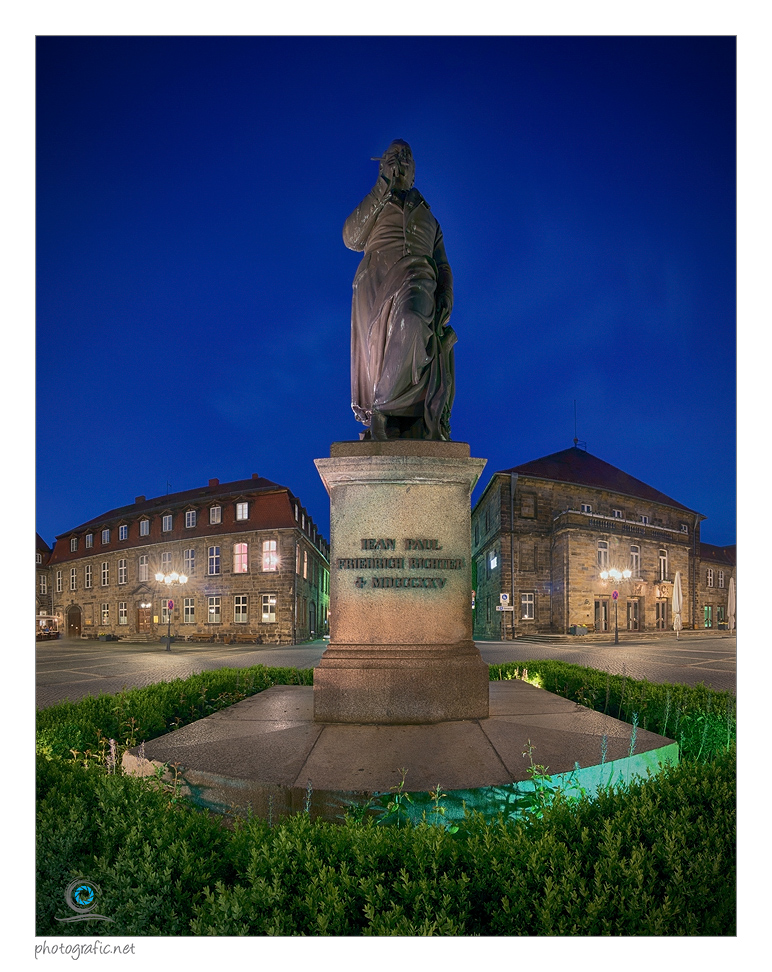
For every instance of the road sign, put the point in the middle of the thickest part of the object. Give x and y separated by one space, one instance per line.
504 598
615 594
504 607
171 605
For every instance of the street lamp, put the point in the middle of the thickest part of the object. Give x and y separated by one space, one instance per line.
616 575
171 580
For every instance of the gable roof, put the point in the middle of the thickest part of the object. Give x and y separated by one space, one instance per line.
577 466
720 555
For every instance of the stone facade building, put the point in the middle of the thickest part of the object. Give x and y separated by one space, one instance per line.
257 568
717 572
543 532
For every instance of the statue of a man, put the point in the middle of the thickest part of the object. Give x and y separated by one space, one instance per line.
402 372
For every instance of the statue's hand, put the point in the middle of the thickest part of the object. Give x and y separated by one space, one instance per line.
443 310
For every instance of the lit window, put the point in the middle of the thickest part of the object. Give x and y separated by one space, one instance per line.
663 565
73 544
214 610
215 514
144 528
58 582
166 563
586 508
494 560
214 560
189 610
165 610
166 523
270 555
603 554
105 573
305 564
721 578
189 561
73 578
105 613
635 560
240 558
527 605
242 511
88 577
123 534
123 614
190 519
143 568
105 536
710 577
269 608
297 558
122 572
240 614
89 539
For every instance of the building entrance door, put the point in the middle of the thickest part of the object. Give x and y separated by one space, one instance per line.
143 620
73 622
633 618
661 615
601 615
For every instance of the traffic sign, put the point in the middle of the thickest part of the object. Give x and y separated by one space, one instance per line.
504 598
615 594
171 605
504 607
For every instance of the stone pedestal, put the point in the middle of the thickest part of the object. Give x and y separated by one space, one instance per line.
401 648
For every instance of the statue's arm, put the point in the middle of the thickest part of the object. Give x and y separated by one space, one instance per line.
444 280
357 227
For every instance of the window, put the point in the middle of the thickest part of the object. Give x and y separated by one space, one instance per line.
166 523
214 610
122 572
43 584
240 558
270 555
73 544
305 564
296 512
684 528
635 560
720 615
190 519
189 561
710 577
527 606
493 559
242 511
189 610
105 612
215 514
644 518
105 536
73 579
89 539
660 618
617 514
38 558
603 554
302 521
143 567
88 577
123 534
663 565
58 582
166 563
297 558
721 578
707 613
214 560
240 609
269 608
123 614
144 528
105 573
165 610
586 508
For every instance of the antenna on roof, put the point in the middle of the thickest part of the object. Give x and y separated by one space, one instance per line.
576 440
168 487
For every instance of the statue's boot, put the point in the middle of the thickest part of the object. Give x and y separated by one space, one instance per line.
378 426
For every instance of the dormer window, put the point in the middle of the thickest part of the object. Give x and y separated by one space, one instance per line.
166 524
105 536
89 539
73 544
123 532
242 511
190 519
144 528
215 514
38 558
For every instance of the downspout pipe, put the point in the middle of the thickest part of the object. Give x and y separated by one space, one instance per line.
512 485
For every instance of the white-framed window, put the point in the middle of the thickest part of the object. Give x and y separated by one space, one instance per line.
105 536
73 579
88 577
105 612
166 563
165 609
663 565
144 570
123 613
270 555
38 558
644 518
242 511
709 578
296 512
269 608
635 559
89 539
240 558
527 606
213 612
144 528
58 582
240 609
305 565
189 610
586 508
297 559
73 544
684 527
617 514
189 561
603 554
721 578
122 572
166 523
214 560
43 584
190 519
105 573
302 521
123 534
215 514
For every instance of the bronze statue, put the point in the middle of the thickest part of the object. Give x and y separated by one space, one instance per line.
402 370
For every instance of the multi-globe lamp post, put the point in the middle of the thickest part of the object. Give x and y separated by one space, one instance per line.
616 575
171 580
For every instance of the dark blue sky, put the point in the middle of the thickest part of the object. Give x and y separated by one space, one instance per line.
193 289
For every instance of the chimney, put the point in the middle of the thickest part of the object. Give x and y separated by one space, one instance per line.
139 499
255 475
214 482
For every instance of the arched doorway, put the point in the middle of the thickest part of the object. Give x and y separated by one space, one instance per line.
73 621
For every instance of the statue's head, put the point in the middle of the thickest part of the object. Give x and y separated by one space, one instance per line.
399 156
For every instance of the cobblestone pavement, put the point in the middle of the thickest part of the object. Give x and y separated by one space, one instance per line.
72 668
